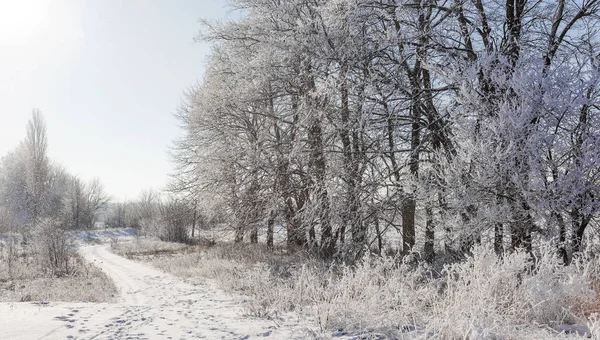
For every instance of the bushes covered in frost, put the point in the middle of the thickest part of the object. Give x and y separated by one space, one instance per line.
483 297
486 296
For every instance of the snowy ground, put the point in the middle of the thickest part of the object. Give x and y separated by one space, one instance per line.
103 235
153 305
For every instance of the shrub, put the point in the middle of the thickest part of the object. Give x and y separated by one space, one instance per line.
175 218
482 297
55 248
487 296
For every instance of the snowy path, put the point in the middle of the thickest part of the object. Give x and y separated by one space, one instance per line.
154 305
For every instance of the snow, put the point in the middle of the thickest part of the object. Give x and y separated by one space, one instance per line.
581 330
153 305
103 235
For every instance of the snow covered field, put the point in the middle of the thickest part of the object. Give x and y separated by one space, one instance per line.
372 301
153 305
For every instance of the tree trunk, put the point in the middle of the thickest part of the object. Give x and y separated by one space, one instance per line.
318 168
379 236
428 249
350 169
239 233
254 236
562 239
194 220
409 205
294 198
346 216
408 224
499 239
579 223
270 225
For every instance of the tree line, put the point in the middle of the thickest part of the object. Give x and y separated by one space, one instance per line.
159 214
455 122
36 191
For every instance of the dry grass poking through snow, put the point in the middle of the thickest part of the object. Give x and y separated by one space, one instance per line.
27 281
481 298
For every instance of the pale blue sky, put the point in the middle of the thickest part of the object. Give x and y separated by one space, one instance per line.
107 76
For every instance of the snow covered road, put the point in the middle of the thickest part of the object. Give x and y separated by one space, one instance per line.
153 305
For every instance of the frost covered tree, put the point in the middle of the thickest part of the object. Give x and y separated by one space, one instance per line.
522 111
33 188
84 203
13 184
37 167
454 122
26 174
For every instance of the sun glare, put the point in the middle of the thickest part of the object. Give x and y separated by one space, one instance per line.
21 21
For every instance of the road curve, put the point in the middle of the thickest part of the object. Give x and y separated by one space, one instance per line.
153 305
